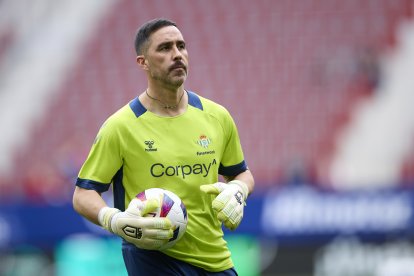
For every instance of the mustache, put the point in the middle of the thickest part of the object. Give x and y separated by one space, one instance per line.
178 64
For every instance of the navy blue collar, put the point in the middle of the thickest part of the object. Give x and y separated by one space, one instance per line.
139 109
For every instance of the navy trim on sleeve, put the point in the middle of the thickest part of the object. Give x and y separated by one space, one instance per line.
194 100
233 170
137 107
92 185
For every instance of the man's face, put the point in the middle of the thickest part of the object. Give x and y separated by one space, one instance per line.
167 57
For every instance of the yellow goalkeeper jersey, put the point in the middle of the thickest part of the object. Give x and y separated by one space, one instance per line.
136 150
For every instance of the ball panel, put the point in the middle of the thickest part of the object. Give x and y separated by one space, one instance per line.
167 204
141 196
175 234
184 210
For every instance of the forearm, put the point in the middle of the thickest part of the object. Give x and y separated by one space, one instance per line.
88 203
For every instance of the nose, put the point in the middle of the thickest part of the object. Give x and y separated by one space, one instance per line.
177 55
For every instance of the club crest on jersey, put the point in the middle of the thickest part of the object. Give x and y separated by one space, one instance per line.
150 145
204 141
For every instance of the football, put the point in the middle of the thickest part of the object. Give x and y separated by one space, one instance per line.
171 207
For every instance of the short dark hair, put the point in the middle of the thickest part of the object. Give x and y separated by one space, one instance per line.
145 31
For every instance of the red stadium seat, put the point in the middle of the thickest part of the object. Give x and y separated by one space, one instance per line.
285 69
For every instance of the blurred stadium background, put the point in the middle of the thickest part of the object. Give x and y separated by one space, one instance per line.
322 92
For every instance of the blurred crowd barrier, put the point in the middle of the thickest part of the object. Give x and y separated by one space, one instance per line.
295 230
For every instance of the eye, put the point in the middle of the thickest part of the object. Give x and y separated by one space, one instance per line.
181 46
164 47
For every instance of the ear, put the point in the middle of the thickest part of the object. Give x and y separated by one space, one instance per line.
142 62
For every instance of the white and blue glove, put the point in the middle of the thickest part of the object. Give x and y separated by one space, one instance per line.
145 232
230 201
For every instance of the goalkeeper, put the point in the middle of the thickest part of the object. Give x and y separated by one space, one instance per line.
171 138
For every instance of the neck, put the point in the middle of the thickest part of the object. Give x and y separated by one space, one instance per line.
165 102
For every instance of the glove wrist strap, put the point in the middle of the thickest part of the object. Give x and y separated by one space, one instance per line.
105 217
243 186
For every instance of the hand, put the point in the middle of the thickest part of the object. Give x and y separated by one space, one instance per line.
230 201
134 227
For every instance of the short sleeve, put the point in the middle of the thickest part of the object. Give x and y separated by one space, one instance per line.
104 160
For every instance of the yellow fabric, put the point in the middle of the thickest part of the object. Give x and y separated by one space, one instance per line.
136 150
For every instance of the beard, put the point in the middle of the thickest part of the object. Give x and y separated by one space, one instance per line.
171 78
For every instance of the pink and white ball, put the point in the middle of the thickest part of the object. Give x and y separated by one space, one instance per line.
171 207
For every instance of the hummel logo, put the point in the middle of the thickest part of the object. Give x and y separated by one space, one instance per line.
150 144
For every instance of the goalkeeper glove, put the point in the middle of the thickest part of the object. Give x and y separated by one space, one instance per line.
134 227
230 201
